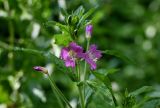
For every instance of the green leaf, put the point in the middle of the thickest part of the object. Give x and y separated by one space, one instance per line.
141 90
119 55
85 16
62 39
106 81
99 94
52 58
47 55
99 76
54 23
112 71
79 11
155 103
104 76
63 11
4 98
155 94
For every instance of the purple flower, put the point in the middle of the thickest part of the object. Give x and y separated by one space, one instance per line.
70 54
89 29
91 56
41 69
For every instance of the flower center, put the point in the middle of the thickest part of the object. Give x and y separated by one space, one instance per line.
92 56
72 54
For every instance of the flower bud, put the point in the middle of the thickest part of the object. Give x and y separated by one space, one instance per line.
41 69
89 29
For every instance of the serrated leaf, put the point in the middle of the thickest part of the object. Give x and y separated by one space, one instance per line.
106 81
99 94
62 39
119 55
142 90
103 78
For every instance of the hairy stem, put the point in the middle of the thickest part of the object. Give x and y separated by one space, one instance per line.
59 93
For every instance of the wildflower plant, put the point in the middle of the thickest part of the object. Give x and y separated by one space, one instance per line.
79 61
80 58
81 65
94 87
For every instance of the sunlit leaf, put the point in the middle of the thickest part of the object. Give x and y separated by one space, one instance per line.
62 39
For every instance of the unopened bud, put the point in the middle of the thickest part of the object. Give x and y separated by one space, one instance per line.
41 69
89 29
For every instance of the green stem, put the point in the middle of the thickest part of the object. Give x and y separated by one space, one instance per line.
85 69
81 96
80 89
11 39
11 32
85 65
78 71
60 94
59 100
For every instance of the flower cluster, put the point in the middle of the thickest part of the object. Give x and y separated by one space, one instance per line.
74 52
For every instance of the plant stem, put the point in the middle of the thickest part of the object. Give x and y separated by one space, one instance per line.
59 100
11 39
81 96
11 33
85 69
80 89
85 65
60 94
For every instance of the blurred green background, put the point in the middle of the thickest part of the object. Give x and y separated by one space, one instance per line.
131 27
